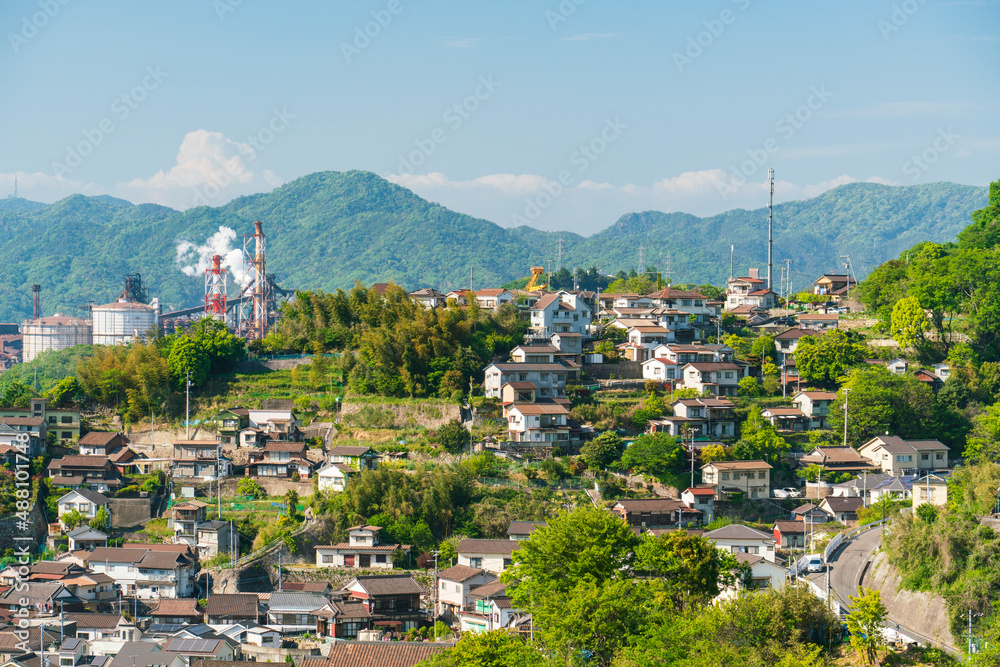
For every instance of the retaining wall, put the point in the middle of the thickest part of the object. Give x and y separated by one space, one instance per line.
624 370
429 415
38 530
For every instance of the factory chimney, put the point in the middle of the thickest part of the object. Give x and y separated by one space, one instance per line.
35 309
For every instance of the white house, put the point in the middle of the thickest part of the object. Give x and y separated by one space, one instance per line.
752 478
84 501
454 586
765 574
717 378
363 549
489 609
737 538
549 378
559 313
491 299
538 422
659 369
644 339
490 555
815 405
428 297
931 489
147 571
897 457
334 477
534 354
700 498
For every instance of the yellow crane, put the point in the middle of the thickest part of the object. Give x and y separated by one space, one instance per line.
533 284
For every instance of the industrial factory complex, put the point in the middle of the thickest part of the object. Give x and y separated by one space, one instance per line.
134 312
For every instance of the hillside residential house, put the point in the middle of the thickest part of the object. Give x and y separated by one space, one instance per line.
897 457
230 422
682 353
102 443
64 422
837 459
701 498
930 488
429 298
643 340
147 571
214 537
85 538
702 417
568 343
96 472
491 299
654 513
280 459
550 379
490 555
279 424
199 459
538 422
228 608
33 427
294 613
809 513
737 538
690 303
764 574
181 611
84 501
751 290
787 419
819 321
362 550
489 609
39 598
92 587
335 476
790 534
717 378
109 627
842 508
560 312
788 341
815 405
836 286
392 600
659 369
358 457
751 478
522 530
454 585
185 519
534 354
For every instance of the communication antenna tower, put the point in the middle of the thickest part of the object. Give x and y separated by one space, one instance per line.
642 259
559 263
770 221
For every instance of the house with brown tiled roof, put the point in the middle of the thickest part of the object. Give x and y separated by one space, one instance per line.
95 472
712 417
363 549
489 608
655 513
815 405
454 585
490 555
837 459
147 571
787 342
717 378
790 534
380 654
102 443
787 419
180 610
280 459
491 299
228 608
898 457
392 600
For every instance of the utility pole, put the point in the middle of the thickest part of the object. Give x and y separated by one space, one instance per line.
770 225
642 260
218 476
559 263
732 251
846 390
187 404
472 270
434 613
279 569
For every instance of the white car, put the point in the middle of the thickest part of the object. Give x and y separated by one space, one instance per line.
792 492
780 493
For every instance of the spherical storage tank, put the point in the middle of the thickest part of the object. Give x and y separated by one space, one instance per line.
53 333
121 322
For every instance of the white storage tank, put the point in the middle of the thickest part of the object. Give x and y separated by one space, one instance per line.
53 333
122 322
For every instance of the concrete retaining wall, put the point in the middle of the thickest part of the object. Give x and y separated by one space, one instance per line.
131 512
429 415
38 529
628 370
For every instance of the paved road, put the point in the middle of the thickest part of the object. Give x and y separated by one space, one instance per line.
846 570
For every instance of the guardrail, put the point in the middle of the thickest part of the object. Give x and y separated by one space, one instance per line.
836 542
263 551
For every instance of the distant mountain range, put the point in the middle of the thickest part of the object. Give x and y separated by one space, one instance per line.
328 229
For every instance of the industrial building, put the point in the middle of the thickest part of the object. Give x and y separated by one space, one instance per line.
53 333
123 321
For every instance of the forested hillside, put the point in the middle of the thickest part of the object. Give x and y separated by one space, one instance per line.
328 229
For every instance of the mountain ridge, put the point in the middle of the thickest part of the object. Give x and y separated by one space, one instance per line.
327 229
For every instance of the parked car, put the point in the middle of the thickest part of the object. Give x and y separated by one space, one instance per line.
814 563
792 492
780 493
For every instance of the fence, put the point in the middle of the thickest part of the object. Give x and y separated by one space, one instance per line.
839 540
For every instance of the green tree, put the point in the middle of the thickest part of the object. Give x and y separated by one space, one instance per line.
292 500
603 450
764 349
186 356
689 569
499 648
72 519
866 623
64 392
101 520
908 322
880 401
453 436
983 443
653 454
827 358
750 387
250 488
759 440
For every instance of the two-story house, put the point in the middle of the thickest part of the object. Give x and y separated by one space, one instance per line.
455 585
654 513
334 477
186 517
836 286
13 428
490 555
816 406
294 613
931 488
559 313
787 342
393 599
747 291
737 538
358 457
96 472
750 478
688 313
682 353
280 459
836 459
103 443
701 498
716 378
229 608
147 571
550 379
819 321
492 298
85 538
533 354
64 422
363 549
700 417
897 457
85 501
489 608
429 298
787 419
230 422
199 459
277 423
538 422
644 339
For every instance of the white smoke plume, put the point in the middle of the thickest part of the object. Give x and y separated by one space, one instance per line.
193 259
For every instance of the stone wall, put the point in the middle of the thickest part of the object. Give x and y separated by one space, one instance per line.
273 486
627 370
38 529
429 415
132 512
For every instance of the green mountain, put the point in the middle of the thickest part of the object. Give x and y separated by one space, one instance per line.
328 229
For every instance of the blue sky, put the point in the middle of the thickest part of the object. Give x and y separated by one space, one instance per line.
569 114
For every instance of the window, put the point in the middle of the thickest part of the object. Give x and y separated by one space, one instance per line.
477 562
725 476
66 420
52 419
925 457
729 375
380 558
66 435
760 475
939 456
327 559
